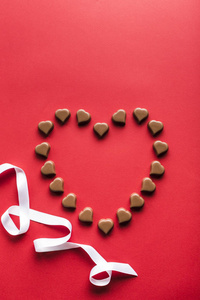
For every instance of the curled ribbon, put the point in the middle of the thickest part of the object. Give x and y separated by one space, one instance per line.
25 214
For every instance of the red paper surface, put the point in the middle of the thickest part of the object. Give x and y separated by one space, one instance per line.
102 56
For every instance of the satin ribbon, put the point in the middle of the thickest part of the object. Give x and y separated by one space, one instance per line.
25 214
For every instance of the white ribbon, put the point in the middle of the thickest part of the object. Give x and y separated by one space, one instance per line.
26 214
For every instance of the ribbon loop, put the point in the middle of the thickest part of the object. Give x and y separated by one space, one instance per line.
53 244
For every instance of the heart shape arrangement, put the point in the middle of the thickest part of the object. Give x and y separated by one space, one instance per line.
101 129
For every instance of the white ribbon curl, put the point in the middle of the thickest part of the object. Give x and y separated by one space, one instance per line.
25 214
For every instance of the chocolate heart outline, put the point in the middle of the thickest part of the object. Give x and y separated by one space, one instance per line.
139 123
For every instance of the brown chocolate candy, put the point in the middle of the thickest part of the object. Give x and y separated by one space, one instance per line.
48 169
123 215
140 114
156 168
155 127
101 129
43 149
148 185
160 147
83 117
57 186
45 127
62 115
119 117
136 201
86 215
69 201
106 225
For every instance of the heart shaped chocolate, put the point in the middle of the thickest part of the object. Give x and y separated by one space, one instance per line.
62 115
160 147
148 185
101 129
106 225
155 127
123 215
156 168
86 215
119 117
83 117
45 127
43 149
140 114
69 201
48 169
136 201
57 186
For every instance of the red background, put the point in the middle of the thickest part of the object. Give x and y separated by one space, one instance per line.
102 56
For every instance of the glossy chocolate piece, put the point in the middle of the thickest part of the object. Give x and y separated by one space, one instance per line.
155 127
160 147
43 149
101 129
123 215
106 225
148 185
46 127
57 185
140 114
136 201
62 115
157 169
83 117
119 118
86 215
69 201
48 169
